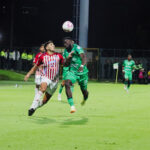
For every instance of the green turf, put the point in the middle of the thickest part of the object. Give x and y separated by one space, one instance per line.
110 120
12 75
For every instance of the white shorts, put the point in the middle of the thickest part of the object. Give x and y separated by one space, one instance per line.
51 85
38 79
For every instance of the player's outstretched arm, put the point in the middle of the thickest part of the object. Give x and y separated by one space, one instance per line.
33 69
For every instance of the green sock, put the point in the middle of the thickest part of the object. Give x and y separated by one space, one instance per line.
60 89
126 83
129 83
70 101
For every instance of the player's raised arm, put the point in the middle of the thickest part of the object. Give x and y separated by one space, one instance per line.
83 58
33 69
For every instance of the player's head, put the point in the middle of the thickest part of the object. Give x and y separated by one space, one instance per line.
129 57
49 46
68 42
42 50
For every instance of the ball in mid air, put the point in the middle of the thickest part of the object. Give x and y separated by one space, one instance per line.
67 26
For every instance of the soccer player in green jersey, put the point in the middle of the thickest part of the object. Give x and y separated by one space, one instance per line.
65 70
128 68
78 71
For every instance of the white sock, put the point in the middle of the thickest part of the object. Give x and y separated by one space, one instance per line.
36 102
36 92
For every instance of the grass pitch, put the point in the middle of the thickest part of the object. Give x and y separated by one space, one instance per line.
110 120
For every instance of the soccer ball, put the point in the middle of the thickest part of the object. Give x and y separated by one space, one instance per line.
67 26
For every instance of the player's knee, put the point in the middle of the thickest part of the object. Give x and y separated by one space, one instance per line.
37 86
67 83
63 83
43 89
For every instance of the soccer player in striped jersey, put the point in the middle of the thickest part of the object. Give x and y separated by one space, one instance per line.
50 75
38 73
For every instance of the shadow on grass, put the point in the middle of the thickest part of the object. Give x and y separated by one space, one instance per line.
42 120
65 102
74 121
63 123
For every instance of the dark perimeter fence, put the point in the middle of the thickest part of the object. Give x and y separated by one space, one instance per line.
99 62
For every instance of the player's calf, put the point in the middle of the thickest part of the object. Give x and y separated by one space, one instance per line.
68 85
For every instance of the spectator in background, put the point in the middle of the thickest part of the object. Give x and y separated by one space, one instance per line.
16 57
18 64
148 76
24 58
10 60
2 59
30 60
7 59
141 76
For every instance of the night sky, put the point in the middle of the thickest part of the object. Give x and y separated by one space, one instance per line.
112 23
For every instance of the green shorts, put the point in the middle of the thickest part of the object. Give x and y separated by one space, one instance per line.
128 75
82 79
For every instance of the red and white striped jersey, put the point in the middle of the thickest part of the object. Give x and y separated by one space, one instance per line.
40 68
50 64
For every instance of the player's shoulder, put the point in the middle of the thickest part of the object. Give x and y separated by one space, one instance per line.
38 54
77 46
41 55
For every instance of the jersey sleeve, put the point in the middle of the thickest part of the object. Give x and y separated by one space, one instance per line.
79 50
35 59
39 60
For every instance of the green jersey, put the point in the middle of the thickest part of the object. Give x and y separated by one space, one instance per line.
76 60
65 69
128 65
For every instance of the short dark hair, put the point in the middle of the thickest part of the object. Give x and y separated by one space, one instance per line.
46 43
67 38
42 44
